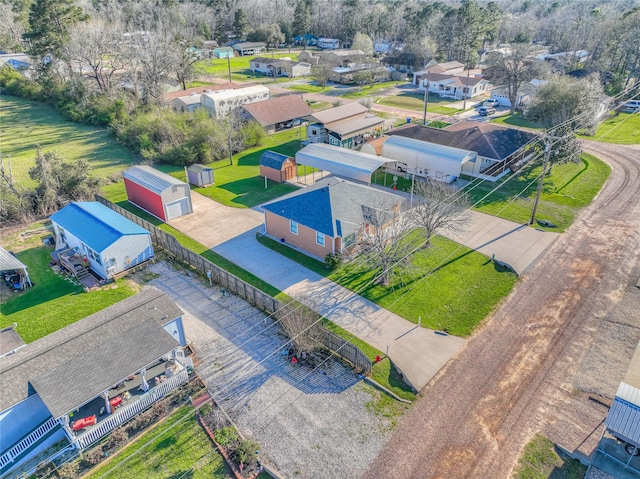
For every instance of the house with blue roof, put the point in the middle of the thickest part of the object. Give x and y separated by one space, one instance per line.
332 216
108 242
277 167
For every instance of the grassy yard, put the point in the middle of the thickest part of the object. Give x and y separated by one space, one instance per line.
461 291
621 128
413 101
308 88
54 302
367 90
515 120
448 285
569 188
176 448
541 460
26 123
219 67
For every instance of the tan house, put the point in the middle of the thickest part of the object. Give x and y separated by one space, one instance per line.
346 126
278 113
332 216
277 167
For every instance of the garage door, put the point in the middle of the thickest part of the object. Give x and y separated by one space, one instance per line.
177 208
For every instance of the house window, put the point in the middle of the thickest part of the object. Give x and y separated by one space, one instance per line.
93 255
293 227
319 238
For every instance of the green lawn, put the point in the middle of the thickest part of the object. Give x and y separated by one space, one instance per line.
515 120
541 460
176 448
26 123
621 128
366 90
219 67
448 285
413 101
308 88
54 302
566 190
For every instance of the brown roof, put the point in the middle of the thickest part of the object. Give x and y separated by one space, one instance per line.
486 139
278 109
340 113
201 89
444 67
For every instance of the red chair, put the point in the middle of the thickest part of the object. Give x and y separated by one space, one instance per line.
115 402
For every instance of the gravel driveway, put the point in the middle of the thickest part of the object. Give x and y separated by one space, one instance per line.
310 423
567 331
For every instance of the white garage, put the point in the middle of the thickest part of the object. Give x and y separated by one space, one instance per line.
341 161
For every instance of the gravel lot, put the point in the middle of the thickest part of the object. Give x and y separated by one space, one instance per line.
311 423
566 331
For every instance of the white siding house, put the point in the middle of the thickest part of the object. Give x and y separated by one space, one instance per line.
220 103
109 241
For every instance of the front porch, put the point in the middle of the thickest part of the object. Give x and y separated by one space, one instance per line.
126 400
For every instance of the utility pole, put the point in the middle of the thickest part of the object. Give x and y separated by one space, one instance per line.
547 154
426 100
229 66
464 94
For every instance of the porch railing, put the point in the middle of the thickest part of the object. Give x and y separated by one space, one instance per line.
9 456
186 361
127 412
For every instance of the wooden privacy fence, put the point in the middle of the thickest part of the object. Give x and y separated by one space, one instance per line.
259 299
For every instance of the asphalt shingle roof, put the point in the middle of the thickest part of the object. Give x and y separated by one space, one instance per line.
332 204
73 365
486 139
273 159
278 110
340 113
95 224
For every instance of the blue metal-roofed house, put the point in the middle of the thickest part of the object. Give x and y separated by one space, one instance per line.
332 216
108 242
277 167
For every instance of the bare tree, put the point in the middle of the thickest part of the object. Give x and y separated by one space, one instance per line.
302 324
385 238
321 73
230 128
438 207
155 64
516 67
95 49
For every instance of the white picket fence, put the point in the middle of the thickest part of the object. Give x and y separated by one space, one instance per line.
125 413
9 456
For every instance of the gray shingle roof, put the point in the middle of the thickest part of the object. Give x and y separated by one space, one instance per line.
332 202
340 113
10 340
278 110
73 365
486 139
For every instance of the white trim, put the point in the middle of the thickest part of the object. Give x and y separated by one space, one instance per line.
318 235
293 225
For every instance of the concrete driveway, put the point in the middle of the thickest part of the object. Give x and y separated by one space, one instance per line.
212 223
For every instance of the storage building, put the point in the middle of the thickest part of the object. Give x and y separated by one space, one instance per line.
200 175
277 167
157 193
109 242
220 103
442 163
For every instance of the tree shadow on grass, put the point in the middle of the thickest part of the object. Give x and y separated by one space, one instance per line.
253 159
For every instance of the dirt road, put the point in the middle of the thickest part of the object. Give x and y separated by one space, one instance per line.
530 368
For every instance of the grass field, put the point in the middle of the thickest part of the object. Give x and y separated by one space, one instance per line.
219 67
541 460
568 188
515 120
25 124
620 128
176 448
413 101
54 302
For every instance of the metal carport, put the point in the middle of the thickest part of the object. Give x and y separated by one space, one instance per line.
341 161
9 262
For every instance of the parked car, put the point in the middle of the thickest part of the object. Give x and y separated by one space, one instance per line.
631 106
486 110
492 102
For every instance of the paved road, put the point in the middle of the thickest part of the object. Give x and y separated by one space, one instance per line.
518 375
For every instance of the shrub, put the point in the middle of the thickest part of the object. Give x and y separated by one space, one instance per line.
206 409
160 409
333 260
69 470
94 456
44 469
116 439
226 436
247 452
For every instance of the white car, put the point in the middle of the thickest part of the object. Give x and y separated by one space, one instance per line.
492 102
